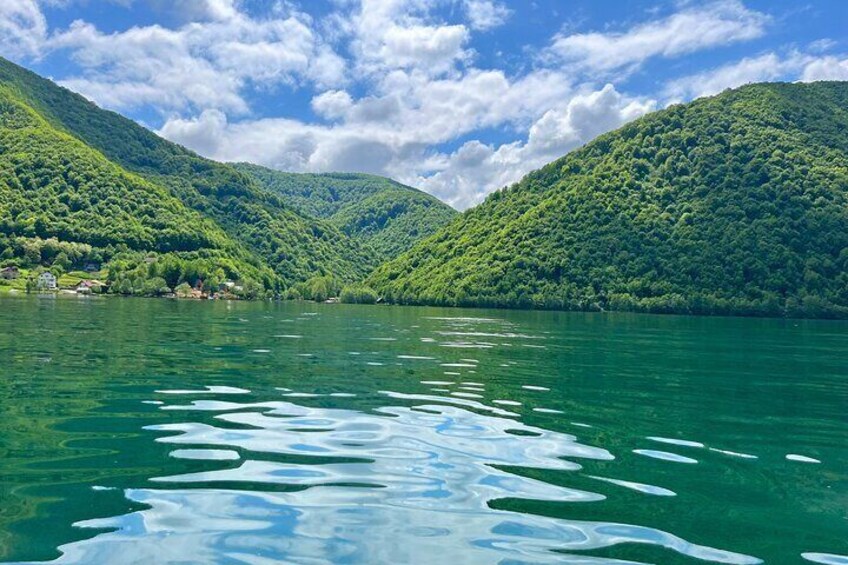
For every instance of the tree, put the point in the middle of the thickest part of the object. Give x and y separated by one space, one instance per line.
62 262
358 294
183 290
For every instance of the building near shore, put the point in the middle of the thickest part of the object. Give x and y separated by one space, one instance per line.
46 281
9 273
89 286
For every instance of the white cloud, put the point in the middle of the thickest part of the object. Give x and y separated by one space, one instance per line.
686 31
332 103
397 34
754 69
462 178
486 14
200 65
431 47
475 169
23 29
203 133
194 10
393 82
796 66
826 68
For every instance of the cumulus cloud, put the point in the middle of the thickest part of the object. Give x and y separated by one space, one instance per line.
825 68
686 31
392 84
23 29
461 178
332 104
397 34
796 66
432 47
486 14
203 134
470 173
194 10
201 65
769 66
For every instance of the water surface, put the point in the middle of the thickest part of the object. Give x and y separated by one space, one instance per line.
139 431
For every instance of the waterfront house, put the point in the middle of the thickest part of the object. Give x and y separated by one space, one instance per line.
9 273
87 287
47 280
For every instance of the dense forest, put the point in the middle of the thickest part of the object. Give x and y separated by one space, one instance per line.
387 216
270 239
734 204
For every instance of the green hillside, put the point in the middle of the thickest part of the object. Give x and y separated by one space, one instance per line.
735 204
64 205
258 222
386 215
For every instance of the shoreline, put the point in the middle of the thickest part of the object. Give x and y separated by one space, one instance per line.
11 292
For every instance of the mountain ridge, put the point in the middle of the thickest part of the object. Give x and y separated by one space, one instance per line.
379 211
293 246
732 204
266 237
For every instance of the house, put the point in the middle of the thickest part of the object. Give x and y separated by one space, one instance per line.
91 267
46 280
9 273
87 287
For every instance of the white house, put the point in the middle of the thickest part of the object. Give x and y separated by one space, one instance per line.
46 280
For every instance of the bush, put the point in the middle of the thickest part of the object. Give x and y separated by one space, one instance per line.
358 294
183 290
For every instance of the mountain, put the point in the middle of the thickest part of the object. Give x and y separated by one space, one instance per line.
734 204
382 213
84 175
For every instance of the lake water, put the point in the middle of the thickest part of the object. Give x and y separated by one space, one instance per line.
154 431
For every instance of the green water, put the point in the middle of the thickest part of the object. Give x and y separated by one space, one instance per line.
154 431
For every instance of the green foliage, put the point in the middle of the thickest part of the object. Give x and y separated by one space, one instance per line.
736 204
183 290
394 220
358 294
319 289
81 174
379 212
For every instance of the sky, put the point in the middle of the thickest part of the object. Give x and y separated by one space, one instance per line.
455 97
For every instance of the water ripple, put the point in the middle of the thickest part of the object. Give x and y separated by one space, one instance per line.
386 486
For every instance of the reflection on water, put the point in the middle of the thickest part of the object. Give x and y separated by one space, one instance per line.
141 431
391 486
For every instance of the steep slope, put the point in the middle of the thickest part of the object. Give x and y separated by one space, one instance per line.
732 204
388 216
54 188
295 246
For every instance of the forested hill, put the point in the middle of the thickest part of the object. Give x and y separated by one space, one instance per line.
388 216
734 204
255 224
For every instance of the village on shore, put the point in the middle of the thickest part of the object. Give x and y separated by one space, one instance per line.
90 281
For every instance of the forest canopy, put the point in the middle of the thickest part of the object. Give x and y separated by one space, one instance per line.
734 204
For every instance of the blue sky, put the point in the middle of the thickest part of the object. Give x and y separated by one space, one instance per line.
457 97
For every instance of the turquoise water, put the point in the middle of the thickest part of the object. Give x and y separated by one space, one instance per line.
142 431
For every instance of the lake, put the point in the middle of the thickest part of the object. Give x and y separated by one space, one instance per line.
141 431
